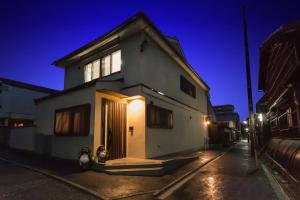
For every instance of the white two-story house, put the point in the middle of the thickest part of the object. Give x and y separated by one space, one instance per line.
131 90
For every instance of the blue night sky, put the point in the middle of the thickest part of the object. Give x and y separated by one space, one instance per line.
35 33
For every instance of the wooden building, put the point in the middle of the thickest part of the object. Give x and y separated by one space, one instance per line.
279 79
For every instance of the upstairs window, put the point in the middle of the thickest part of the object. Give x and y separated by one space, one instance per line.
187 87
158 117
104 66
116 61
92 71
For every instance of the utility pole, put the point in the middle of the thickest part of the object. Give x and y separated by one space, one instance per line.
249 89
248 73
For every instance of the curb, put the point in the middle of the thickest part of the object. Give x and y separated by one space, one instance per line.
279 191
186 175
55 177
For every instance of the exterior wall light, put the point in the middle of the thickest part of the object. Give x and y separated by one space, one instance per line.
135 105
207 120
260 117
161 93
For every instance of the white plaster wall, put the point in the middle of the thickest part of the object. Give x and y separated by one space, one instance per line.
74 75
131 58
136 118
18 102
66 146
188 132
156 69
22 138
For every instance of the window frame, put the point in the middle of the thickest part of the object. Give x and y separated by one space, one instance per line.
100 60
82 107
187 82
160 110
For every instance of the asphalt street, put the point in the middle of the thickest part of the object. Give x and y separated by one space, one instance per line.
232 176
17 183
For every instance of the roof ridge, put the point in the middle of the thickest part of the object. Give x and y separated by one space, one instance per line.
27 85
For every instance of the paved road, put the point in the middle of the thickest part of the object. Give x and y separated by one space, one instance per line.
17 183
230 177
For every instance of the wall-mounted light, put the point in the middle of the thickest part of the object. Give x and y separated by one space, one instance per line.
260 117
161 93
143 44
245 122
135 105
207 120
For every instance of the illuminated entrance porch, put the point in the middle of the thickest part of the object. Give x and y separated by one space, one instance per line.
119 125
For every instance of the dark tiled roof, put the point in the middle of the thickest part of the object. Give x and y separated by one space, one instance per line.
27 86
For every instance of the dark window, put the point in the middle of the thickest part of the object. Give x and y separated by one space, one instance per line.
158 117
187 87
72 121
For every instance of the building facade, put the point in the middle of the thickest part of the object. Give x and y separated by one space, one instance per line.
17 108
278 110
132 91
279 80
226 115
229 120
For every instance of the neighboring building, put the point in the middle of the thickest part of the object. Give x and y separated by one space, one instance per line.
17 107
279 79
226 115
279 117
211 112
131 90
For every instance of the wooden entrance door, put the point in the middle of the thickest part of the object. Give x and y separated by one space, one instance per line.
114 128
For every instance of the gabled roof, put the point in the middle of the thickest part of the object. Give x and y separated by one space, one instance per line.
138 22
27 86
284 33
176 44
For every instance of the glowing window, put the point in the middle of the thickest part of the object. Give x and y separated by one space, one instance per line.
96 69
116 61
88 72
105 66
108 64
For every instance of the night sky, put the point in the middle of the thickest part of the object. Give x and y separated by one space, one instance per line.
35 33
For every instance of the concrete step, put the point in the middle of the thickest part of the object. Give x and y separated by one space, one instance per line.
105 166
142 167
153 171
